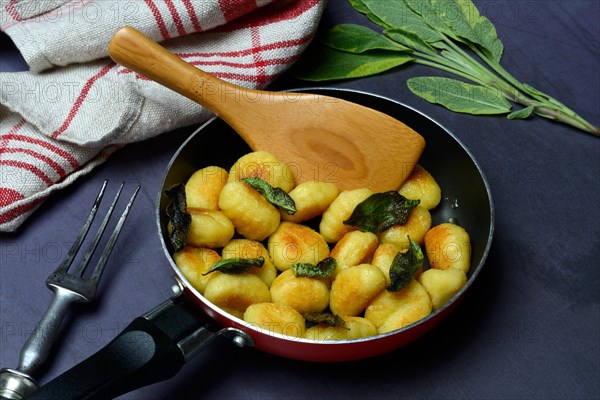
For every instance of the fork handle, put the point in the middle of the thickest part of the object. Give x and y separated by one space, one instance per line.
37 347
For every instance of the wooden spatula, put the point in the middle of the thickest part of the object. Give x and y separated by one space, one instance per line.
344 143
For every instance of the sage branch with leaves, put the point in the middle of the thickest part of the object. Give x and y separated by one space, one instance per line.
449 35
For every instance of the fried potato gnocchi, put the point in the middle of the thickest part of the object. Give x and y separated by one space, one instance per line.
276 318
294 243
355 328
193 262
354 248
204 186
263 165
244 248
231 215
448 246
354 288
234 293
384 256
209 228
332 226
419 222
442 284
305 295
311 199
420 185
252 215
394 310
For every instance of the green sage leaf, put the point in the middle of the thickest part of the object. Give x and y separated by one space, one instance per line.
394 13
404 266
398 15
380 211
324 64
275 196
425 10
324 318
323 269
459 96
360 6
410 40
358 39
232 266
521 114
178 216
419 28
463 18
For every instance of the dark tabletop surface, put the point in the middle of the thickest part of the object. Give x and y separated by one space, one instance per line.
530 326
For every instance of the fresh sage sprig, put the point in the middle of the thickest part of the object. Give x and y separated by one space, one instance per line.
449 35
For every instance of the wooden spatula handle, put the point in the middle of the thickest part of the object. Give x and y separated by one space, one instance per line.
134 50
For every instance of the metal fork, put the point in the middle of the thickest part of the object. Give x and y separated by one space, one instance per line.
68 288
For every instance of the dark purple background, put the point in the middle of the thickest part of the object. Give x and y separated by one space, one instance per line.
530 327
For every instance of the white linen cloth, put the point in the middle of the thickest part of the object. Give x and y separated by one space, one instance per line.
75 106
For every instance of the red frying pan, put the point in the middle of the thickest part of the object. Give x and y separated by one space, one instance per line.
156 345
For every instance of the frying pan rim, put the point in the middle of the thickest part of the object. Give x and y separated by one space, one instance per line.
239 322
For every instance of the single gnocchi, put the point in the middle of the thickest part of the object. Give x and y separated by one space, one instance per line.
311 199
420 185
252 215
354 288
194 262
209 228
384 256
419 222
235 293
295 243
305 295
442 284
244 248
204 186
276 318
354 248
354 328
332 226
448 246
263 165
394 310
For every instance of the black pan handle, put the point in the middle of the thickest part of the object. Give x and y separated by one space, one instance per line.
152 348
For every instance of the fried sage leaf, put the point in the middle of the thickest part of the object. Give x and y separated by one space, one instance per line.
275 196
404 266
380 211
326 318
323 269
178 216
232 266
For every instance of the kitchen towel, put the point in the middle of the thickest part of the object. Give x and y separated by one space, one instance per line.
75 106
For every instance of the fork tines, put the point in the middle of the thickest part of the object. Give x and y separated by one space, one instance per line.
99 269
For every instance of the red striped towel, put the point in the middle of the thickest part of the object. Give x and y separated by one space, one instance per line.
75 106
